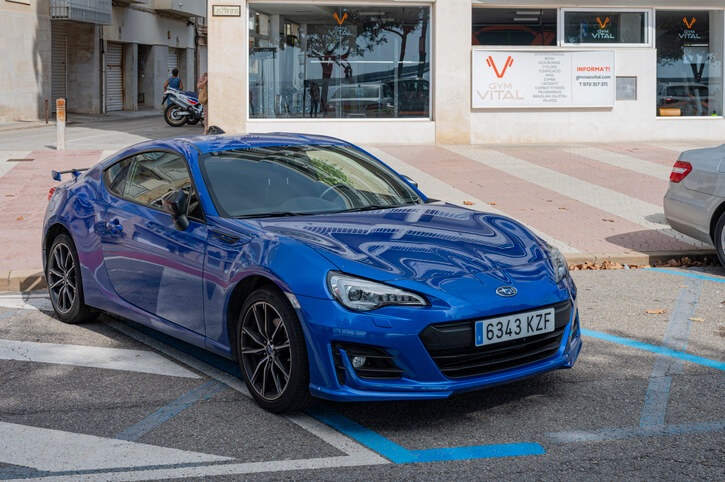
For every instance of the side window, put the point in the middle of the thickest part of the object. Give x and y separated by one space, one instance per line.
115 177
150 176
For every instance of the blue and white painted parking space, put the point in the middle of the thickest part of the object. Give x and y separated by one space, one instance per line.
640 377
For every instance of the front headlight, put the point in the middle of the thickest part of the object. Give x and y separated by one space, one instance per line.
363 295
561 269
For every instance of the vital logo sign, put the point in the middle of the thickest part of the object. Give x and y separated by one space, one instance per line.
500 90
492 64
689 33
340 20
603 32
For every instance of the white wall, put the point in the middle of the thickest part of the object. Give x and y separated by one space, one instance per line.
24 60
132 25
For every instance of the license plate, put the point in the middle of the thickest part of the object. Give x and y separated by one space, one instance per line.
511 327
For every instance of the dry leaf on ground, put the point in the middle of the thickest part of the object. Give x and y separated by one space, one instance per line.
492 203
656 312
563 208
19 218
467 203
697 319
608 220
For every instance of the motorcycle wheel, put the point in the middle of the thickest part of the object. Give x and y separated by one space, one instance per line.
172 116
192 121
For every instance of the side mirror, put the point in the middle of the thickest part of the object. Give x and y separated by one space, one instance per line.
410 180
176 203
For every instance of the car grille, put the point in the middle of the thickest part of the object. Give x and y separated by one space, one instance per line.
452 346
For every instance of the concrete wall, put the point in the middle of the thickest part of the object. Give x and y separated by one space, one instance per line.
130 76
148 27
24 60
84 69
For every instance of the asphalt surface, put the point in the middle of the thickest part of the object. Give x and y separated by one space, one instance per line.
110 132
625 411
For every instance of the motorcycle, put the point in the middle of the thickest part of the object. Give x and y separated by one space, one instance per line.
183 108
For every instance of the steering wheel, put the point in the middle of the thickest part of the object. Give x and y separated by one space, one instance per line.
332 189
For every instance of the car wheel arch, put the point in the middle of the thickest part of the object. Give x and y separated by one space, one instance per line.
719 211
53 232
239 294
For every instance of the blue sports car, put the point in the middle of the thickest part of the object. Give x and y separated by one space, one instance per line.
320 270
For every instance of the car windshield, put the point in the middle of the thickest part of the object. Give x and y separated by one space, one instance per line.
300 179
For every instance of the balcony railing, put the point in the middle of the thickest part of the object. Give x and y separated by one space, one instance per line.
90 11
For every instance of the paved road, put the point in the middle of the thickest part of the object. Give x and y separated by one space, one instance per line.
111 400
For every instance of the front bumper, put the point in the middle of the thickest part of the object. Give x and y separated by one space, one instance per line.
327 324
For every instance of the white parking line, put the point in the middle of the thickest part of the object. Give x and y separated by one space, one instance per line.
37 300
56 451
92 356
438 189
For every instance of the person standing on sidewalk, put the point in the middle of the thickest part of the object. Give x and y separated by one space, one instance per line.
203 87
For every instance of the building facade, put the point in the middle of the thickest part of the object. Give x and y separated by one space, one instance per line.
463 71
101 56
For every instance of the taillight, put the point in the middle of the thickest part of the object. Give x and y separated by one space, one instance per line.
680 170
50 193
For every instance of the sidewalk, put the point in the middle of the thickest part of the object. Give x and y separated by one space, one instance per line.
593 201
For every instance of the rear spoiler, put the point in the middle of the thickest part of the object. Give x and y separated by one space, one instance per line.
75 172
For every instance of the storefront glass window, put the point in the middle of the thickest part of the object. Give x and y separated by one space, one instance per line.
325 61
605 27
514 26
689 63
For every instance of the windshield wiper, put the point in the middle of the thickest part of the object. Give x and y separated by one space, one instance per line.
271 215
373 207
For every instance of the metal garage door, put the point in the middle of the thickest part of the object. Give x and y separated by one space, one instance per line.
58 61
114 77
173 60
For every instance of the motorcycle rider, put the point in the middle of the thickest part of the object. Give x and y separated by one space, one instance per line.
174 82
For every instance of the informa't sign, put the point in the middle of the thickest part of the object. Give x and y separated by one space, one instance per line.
516 79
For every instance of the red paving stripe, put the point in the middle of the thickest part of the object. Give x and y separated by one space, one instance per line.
634 184
24 193
579 225
658 155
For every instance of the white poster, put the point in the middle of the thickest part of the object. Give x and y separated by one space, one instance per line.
554 78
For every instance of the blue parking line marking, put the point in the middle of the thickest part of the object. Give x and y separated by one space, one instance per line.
166 413
401 455
689 275
676 335
655 349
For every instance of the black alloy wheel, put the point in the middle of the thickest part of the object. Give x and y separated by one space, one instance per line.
272 352
64 282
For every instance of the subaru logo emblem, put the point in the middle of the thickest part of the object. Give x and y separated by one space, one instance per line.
506 291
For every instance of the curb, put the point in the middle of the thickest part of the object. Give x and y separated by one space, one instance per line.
638 258
34 279
22 280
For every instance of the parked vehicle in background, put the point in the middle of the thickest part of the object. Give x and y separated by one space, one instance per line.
362 100
183 108
683 99
695 200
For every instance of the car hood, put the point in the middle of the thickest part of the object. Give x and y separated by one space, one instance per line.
413 242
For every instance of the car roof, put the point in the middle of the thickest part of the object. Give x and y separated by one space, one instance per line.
224 142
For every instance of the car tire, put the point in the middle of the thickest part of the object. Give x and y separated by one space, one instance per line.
719 239
172 117
271 345
65 286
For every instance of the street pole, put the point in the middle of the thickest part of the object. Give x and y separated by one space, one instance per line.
60 124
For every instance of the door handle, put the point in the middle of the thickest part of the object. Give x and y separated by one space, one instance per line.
114 226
